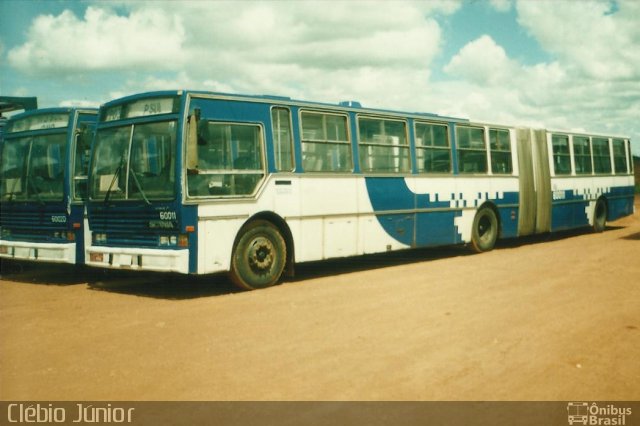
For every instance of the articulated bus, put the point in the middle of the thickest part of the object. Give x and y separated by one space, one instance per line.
200 183
43 183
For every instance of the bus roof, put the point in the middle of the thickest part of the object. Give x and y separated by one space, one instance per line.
54 110
36 120
284 100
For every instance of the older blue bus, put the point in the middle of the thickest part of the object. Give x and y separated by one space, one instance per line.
43 184
199 183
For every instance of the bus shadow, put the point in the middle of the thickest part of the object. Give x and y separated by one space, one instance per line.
184 287
162 285
42 273
327 268
549 236
632 237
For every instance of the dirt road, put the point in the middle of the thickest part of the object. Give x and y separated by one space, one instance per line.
549 318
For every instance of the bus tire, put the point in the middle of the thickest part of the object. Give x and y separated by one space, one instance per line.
259 256
485 230
600 216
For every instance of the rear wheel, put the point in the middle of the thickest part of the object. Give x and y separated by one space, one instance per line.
259 256
485 230
600 216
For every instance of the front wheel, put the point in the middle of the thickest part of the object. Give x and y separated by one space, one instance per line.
259 256
600 216
485 230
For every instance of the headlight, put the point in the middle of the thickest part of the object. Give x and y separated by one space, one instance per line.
168 240
99 238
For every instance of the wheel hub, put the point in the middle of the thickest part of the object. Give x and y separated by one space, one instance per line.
261 254
483 227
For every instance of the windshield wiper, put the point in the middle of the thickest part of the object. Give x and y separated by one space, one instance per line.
115 178
13 188
35 188
135 179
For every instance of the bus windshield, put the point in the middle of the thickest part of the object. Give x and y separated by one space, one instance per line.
134 162
32 168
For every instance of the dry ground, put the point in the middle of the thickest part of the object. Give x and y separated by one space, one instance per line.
546 318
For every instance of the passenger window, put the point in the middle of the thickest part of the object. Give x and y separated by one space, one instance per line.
619 157
500 143
433 152
582 155
383 145
472 150
601 156
561 154
282 139
230 160
325 143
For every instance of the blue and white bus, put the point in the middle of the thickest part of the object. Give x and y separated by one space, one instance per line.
200 183
44 169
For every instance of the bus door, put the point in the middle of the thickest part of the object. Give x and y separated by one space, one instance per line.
535 182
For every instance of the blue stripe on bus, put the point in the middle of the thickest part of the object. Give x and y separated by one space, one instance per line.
77 216
431 228
190 218
571 211
620 202
509 214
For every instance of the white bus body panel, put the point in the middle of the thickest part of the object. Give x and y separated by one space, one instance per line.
139 259
46 252
332 216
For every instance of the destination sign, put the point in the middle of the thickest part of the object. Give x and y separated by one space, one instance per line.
39 122
141 108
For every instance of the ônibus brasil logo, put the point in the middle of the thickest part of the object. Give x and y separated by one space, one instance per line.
594 414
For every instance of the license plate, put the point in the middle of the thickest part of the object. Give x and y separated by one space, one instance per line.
96 257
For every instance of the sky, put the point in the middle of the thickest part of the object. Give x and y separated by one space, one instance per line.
563 64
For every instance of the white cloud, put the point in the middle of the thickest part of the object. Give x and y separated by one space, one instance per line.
376 52
501 5
482 61
81 103
311 50
102 40
492 87
588 35
276 47
20 92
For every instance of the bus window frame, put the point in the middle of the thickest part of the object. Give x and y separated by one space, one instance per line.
575 156
610 155
490 150
569 155
348 142
263 156
406 145
294 166
424 148
485 149
613 156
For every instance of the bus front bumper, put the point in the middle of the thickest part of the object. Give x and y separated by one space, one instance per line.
41 252
138 259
